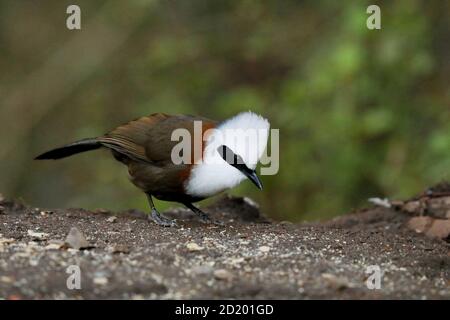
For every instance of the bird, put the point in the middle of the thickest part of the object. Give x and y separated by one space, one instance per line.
225 156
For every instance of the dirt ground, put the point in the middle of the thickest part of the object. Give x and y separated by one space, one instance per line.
129 257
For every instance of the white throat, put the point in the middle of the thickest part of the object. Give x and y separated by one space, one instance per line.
246 134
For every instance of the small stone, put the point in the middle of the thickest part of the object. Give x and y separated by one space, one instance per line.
54 245
192 246
415 206
101 281
438 207
119 248
76 240
39 236
222 274
336 282
112 219
6 279
420 224
251 203
34 262
380 202
435 228
440 228
6 241
237 261
72 251
56 241
202 270
264 249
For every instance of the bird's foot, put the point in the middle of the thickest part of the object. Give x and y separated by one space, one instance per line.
207 220
203 216
161 220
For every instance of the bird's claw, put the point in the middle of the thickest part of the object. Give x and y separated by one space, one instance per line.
207 220
161 220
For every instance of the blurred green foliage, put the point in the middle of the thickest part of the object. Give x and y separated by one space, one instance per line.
361 113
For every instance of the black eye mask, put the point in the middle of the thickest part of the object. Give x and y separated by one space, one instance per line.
236 161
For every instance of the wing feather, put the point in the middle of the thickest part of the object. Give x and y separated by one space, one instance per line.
148 139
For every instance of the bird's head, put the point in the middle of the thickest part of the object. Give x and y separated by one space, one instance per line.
231 154
237 162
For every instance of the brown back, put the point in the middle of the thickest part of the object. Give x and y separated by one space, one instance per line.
148 139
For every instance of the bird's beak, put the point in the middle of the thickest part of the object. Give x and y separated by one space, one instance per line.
239 164
253 177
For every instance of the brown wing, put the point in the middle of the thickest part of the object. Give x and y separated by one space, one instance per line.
148 139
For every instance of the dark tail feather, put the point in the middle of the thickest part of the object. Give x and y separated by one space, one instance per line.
70 149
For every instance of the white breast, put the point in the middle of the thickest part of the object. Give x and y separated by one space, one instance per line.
246 134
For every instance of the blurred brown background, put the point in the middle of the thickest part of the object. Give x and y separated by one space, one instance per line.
361 113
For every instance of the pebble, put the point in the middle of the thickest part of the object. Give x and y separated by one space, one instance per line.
434 228
6 279
34 262
101 281
248 269
38 235
202 270
119 248
222 274
76 240
336 282
54 245
264 249
237 261
112 219
5 240
192 246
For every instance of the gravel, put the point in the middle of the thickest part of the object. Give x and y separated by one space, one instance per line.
124 256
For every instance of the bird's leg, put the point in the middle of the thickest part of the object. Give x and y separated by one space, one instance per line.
157 217
203 216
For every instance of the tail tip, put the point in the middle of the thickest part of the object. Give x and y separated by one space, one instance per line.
42 156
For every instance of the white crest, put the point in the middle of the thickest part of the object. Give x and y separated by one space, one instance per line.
246 134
